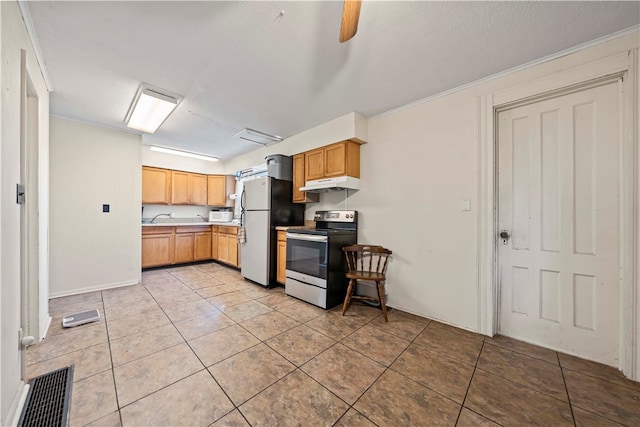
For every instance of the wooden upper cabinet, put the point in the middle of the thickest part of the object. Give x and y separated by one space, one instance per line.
188 188
299 181
314 164
342 158
339 159
334 160
180 187
156 186
198 189
219 187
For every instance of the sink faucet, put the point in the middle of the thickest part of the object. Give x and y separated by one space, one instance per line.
154 218
203 218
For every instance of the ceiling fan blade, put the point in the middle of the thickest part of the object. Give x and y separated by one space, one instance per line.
350 16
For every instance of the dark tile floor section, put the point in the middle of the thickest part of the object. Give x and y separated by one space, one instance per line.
200 346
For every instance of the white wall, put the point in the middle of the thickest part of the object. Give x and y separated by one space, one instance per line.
92 166
349 126
420 162
170 161
13 38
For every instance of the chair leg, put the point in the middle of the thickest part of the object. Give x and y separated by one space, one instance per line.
347 297
383 305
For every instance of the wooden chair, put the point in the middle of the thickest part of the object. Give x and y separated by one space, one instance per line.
366 262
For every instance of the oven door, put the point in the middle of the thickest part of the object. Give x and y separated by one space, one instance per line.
307 254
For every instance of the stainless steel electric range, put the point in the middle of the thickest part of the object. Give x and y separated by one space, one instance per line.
316 265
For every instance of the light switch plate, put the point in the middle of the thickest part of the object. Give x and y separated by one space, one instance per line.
466 205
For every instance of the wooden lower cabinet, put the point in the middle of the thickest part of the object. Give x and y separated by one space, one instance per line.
192 243
202 246
214 242
157 246
183 248
228 246
282 257
164 245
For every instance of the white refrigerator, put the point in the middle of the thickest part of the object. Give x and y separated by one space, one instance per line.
266 203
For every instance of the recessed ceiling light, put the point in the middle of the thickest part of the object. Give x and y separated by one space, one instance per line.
150 108
182 153
257 137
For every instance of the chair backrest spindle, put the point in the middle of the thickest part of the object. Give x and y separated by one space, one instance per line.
356 258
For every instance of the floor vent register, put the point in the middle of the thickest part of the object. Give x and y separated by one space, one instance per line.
48 400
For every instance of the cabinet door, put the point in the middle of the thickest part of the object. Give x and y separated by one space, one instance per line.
156 186
314 164
184 245
223 247
219 187
216 190
335 160
202 246
298 178
233 251
299 181
282 262
214 242
157 250
197 189
180 187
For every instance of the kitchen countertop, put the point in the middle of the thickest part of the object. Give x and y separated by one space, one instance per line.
187 223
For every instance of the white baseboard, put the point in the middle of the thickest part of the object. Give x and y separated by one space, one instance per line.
43 333
101 287
18 403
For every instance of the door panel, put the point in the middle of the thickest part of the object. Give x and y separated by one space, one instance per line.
558 198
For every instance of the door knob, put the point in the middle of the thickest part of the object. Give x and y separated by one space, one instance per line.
504 234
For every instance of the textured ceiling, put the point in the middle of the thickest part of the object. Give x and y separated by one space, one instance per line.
243 64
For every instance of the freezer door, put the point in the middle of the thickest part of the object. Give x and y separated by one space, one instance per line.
255 252
257 194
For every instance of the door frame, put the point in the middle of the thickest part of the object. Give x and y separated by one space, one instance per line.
623 65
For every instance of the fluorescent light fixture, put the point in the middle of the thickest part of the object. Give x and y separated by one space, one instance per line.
257 136
182 153
150 108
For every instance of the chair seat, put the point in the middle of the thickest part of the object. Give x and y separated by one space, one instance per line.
365 275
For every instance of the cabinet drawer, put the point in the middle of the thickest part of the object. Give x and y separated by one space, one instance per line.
157 230
227 230
193 229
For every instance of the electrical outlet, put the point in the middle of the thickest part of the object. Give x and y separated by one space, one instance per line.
172 215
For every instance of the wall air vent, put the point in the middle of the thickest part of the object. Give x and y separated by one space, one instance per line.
257 137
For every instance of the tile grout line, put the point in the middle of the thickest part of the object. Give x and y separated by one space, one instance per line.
464 399
113 369
235 407
566 389
197 357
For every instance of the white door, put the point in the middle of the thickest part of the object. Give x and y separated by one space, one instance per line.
558 200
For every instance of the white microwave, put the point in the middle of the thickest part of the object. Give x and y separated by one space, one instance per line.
220 216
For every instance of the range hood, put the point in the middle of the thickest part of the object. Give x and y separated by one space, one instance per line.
332 184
